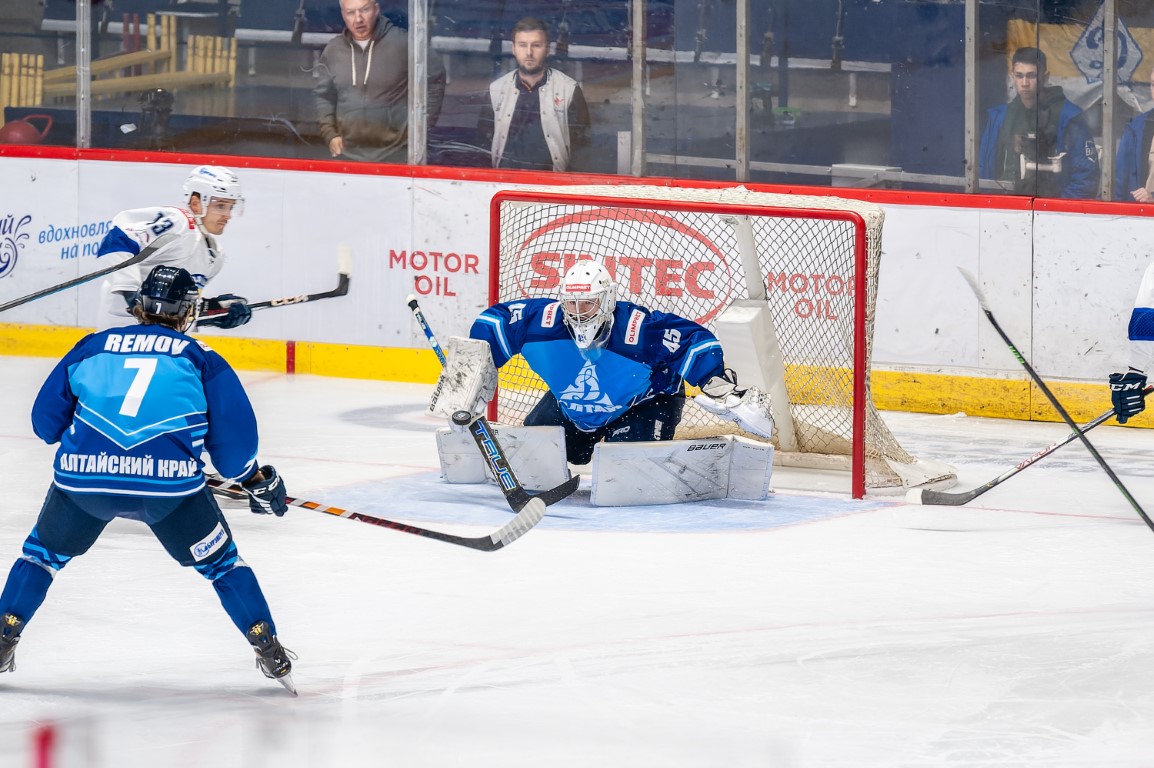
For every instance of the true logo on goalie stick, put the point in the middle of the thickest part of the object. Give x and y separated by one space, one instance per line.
493 457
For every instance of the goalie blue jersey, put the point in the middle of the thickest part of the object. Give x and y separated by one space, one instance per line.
647 353
131 410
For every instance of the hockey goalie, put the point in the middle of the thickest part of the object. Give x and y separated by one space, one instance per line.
616 375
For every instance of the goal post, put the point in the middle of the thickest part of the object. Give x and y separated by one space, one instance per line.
787 282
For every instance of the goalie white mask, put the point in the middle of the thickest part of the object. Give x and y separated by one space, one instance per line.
588 296
214 182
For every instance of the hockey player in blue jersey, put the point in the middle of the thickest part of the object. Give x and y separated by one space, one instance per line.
133 409
615 370
1128 390
211 198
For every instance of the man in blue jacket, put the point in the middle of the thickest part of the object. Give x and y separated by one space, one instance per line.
133 409
1043 128
1134 179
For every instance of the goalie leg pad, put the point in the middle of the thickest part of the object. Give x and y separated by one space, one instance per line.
468 380
536 455
750 469
676 471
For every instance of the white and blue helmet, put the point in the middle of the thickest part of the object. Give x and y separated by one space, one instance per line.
214 181
588 297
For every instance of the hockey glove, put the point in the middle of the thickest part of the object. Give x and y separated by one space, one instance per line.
748 407
1128 391
266 496
238 311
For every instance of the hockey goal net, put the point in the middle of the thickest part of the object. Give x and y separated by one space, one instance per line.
812 261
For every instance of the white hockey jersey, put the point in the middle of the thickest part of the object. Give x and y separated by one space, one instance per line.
1141 329
133 230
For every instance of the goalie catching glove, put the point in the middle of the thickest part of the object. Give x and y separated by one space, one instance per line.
748 407
266 493
238 313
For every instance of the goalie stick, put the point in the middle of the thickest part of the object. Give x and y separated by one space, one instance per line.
145 252
421 321
345 269
944 498
1053 400
494 456
486 440
526 518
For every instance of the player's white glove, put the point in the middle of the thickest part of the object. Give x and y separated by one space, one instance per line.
748 407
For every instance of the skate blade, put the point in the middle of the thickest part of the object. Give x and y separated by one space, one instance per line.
287 682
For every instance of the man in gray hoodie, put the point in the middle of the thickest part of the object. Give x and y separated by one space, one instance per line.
362 93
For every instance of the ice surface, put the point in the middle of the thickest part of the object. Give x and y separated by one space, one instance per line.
807 631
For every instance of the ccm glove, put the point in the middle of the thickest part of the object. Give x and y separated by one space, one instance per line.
1128 391
238 314
266 496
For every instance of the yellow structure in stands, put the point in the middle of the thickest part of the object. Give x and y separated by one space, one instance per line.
208 61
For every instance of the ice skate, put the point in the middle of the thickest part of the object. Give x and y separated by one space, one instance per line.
272 658
10 627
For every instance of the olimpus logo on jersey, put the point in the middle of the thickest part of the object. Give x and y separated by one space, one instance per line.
655 253
12 237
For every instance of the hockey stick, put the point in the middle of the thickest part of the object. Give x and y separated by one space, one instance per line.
486 440
145 252
943 498
528 517
345 267
1053 400
421 321
494 456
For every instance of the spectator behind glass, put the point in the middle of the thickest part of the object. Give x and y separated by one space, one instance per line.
1134 179
362 94
1039 143
535 115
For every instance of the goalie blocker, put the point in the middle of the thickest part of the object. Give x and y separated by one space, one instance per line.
467 381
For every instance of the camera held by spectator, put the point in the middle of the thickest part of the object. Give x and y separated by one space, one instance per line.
1026 145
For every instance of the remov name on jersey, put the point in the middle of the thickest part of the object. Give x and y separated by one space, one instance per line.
143 342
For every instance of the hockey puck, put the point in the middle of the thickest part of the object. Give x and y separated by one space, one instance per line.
463 418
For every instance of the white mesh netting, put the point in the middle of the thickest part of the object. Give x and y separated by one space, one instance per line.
691 252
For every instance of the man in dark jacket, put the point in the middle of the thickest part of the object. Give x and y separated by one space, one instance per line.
362 94
1039 125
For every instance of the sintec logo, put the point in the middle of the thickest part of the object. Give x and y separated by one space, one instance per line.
640 248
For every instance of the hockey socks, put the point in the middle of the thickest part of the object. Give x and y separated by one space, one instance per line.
242 599
25 590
